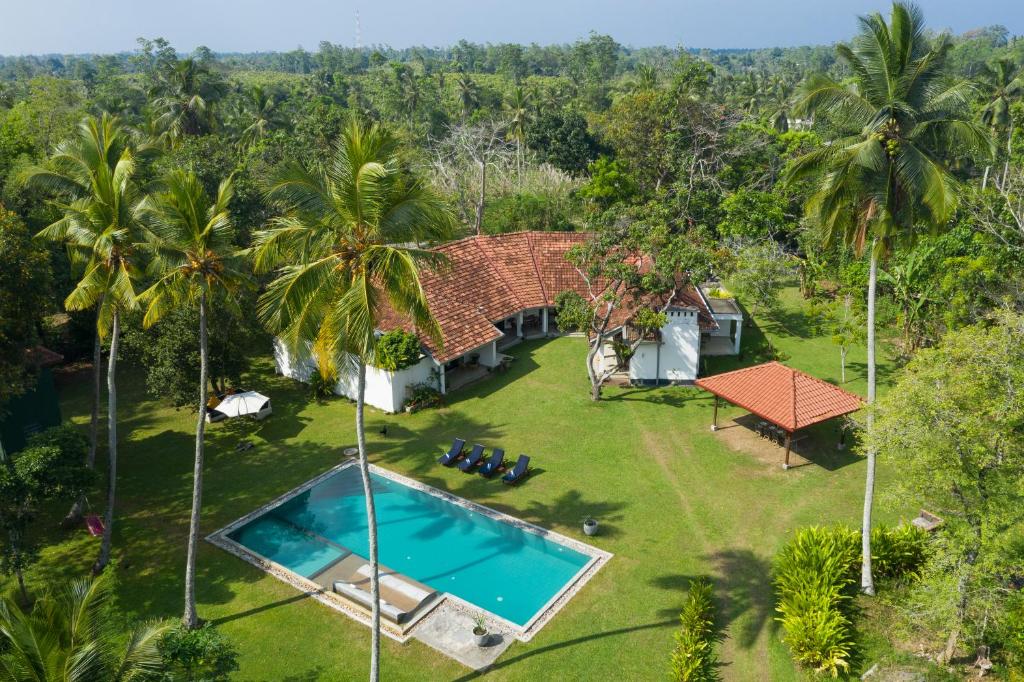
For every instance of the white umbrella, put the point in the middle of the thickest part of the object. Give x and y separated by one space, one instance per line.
241 404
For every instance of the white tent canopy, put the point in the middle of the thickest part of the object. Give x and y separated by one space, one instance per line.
240 405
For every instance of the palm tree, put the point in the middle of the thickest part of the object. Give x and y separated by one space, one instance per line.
469 95
260 111
69 636
1003 82
193 261
100 229
646 77
885 178
185 98
518 107
340 266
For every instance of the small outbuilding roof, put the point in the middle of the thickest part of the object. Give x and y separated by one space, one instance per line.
782 395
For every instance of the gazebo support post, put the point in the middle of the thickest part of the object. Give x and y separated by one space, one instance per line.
842 439
714 418
789 446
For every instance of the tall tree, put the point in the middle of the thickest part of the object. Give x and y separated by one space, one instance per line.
518 106
194 262
884 176
185 96
1002 82
340 267
952 425
94 173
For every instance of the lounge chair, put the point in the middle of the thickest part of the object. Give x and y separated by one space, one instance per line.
454 452
491 466
473 458
518 472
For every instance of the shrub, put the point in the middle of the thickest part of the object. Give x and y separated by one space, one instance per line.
397 350
898 552
813 573
202 655
694 658
321 386
421 395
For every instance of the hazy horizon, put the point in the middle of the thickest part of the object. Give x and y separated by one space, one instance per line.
111 26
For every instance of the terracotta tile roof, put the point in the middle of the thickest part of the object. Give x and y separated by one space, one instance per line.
493 277
782 395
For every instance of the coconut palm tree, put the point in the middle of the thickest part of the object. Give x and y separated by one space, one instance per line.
69 636
518 106
884 177
1002 83
469 95
100 226
340 267
260 112
185 97
194 262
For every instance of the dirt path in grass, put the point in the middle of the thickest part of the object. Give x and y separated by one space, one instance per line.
727 580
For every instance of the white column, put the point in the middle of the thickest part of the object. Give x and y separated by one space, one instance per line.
519 325
736 341
544 321
494 353
441 367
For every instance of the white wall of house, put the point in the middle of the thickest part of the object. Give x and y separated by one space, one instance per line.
678 355
384 390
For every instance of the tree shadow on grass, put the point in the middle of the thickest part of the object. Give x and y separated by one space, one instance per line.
672 396
259 609
743 591
504 663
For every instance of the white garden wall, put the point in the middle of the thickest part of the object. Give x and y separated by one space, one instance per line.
384 390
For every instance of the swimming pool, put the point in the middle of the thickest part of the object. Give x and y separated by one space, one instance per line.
507 567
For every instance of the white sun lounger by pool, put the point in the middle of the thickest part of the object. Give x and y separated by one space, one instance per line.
399 598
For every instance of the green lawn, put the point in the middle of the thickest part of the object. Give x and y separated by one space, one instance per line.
674 503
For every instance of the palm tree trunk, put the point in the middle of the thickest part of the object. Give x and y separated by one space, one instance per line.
483 191
867 582
371 524
108 521
190 620
74 515
842 363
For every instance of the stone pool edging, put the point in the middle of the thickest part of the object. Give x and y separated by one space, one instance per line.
597 559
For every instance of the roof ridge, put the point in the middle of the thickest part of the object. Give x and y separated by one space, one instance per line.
497 271
536 268
792 381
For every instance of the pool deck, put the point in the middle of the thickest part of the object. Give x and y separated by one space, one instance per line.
443 622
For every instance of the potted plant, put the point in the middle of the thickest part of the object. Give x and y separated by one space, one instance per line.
480 634
590 526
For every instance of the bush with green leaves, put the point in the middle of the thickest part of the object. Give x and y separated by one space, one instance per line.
813 575
201 655
898 552
397 350
321 385
422 395
694 658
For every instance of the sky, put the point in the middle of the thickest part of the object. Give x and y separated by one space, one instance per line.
79 26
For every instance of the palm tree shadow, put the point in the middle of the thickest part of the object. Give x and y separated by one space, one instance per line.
743 593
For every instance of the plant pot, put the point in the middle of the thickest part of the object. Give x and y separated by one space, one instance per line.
590 527
481 638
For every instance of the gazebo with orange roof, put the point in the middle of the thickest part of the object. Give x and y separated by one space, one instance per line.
781 395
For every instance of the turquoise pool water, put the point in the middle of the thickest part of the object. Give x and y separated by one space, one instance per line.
507 571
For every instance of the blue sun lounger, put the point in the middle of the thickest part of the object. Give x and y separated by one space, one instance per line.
519 471
454 452
491 466
473 458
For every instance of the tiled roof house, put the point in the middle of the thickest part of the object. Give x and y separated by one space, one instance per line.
497 290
